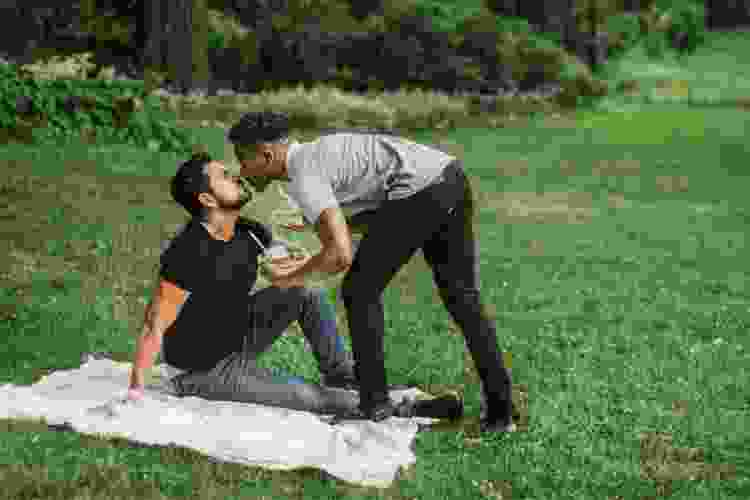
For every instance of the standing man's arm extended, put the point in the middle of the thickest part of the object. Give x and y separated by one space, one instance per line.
160 314
336 254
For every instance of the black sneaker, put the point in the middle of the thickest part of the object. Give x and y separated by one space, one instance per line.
496 426
380 412
501 424
448 406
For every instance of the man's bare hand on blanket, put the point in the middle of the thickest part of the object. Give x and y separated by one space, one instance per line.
134 394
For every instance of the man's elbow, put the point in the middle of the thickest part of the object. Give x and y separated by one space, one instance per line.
345 261
340 261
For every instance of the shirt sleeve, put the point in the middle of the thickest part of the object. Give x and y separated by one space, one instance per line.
313 195
176 264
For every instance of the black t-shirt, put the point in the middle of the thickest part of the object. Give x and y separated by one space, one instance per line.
219 276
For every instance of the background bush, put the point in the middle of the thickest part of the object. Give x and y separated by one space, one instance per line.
38 106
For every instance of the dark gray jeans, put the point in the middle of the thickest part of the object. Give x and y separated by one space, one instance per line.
438 220
238 378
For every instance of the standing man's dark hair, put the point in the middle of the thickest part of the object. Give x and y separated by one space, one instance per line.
190 180
261 143
264 127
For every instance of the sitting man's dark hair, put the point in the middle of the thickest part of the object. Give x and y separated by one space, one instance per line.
259 128
189 181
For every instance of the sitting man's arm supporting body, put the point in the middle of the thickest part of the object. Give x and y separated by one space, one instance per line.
165 305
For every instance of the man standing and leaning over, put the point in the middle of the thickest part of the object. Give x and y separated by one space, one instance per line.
412 197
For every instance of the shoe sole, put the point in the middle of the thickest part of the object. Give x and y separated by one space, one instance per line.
498 428
352 387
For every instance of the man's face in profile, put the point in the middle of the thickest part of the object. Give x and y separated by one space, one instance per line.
254 166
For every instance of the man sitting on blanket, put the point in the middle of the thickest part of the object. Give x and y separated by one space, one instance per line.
209 323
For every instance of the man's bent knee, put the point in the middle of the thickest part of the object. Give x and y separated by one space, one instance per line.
309 396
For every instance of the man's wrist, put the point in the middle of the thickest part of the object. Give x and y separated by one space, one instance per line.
303 269
136 380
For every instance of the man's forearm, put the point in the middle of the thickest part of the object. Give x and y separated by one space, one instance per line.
323 262
147 346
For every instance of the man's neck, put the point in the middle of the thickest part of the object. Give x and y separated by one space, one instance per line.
220 230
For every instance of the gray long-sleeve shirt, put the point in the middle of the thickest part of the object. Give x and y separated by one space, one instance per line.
358 171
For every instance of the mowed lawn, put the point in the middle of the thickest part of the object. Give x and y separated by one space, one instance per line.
613 259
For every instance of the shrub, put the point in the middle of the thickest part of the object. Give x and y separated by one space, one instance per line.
110 27
515 25
445 17
226 26
655 45
671 24
216 40
76 67
688 19
48 101
626 29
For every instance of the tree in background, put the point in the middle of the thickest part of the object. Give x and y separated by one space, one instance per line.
176 41
727 14
578 22
360 9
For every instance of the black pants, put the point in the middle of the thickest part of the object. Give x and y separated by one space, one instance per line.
238 378
438 220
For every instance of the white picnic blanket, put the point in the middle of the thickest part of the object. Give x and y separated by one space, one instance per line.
90 400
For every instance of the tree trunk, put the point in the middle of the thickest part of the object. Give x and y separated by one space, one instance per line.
631 5
727 14
177 42
509 8
23 27
140 35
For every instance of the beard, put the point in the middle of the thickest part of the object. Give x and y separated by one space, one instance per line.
244 198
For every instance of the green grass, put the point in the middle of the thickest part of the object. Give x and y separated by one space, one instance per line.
615 268
718 73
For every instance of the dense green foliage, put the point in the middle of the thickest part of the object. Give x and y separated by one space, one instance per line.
48 120
684 16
